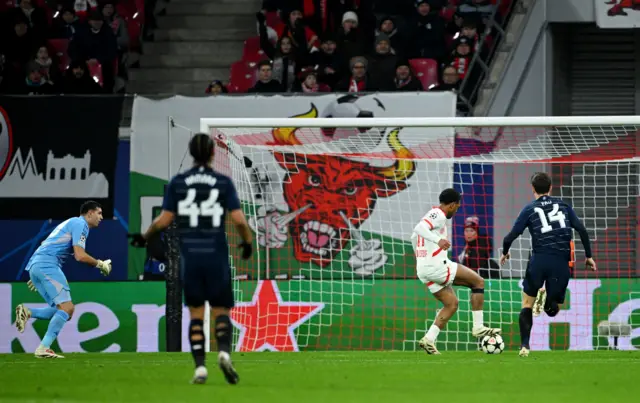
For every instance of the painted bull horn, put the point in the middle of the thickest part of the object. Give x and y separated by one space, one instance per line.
404 167
287 135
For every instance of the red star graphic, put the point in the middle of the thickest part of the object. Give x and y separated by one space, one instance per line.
267 323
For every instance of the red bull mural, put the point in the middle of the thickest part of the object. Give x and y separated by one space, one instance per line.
329 198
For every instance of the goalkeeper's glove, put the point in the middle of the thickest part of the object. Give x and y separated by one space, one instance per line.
32 287
137 240
247 250
104 267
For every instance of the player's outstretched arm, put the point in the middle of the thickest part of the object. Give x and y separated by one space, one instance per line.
517 230
584 237
240 222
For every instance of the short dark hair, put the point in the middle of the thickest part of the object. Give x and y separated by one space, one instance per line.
88 206
201 148
449 196
263 63
541 182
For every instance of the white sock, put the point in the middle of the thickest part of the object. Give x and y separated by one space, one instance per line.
433 332
478 319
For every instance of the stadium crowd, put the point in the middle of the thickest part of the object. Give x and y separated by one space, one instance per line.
63 46
365 45
307 46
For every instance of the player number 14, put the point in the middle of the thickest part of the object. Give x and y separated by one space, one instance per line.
555 215
208 208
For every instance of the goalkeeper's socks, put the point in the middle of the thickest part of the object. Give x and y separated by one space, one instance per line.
550 308
196 338
223 333
478 319
526 323
43 313
432 333
58 321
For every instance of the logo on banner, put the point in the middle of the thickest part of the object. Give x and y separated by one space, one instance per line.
66 177
316 184
617 13
6 142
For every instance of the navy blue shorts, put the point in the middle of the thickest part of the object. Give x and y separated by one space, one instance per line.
207 280
548 271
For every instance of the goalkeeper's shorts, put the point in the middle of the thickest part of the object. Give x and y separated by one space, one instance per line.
51 283
436 273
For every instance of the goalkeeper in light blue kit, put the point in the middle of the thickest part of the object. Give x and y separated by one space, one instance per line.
45 270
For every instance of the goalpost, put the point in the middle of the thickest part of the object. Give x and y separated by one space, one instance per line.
332 203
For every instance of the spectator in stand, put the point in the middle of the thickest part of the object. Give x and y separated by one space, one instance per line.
77 80
405 81
216 88
266 84
428 33
477 250
45 62
118 26
352 40
31 84
388 27
296 30
328 62
461 56
17 47
382 64
284 56
450 80
358 81
96 43
34 17
65 25
83 8
470 30
308 82
455 25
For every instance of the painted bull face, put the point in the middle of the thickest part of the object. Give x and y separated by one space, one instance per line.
333 191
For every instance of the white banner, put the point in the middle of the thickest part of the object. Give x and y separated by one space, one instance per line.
150 122
617 13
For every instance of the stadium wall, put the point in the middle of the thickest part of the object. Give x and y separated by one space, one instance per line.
115 317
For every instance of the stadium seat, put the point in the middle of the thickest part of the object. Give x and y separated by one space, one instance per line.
252 49
135 31
426 70
60 47
96 72
139 6
125 10
243 76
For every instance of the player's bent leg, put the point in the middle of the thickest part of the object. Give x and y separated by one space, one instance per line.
197 341
223 332
39 282
63 313
469 278
449 300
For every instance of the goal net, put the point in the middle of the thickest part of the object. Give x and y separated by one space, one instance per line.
333 202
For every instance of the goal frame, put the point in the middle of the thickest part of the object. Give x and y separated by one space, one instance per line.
600 122
206 124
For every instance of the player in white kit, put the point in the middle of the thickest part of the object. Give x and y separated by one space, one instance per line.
434 268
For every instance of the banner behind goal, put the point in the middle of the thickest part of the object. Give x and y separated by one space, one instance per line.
332 203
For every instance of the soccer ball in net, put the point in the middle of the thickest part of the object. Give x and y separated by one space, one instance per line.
492 344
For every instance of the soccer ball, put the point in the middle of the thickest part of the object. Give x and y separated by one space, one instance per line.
492 344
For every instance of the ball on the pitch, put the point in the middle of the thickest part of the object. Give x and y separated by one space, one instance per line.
492 344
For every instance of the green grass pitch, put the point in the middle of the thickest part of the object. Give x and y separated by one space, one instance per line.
327 377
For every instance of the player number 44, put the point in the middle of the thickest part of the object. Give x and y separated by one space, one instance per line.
208 208
555 215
